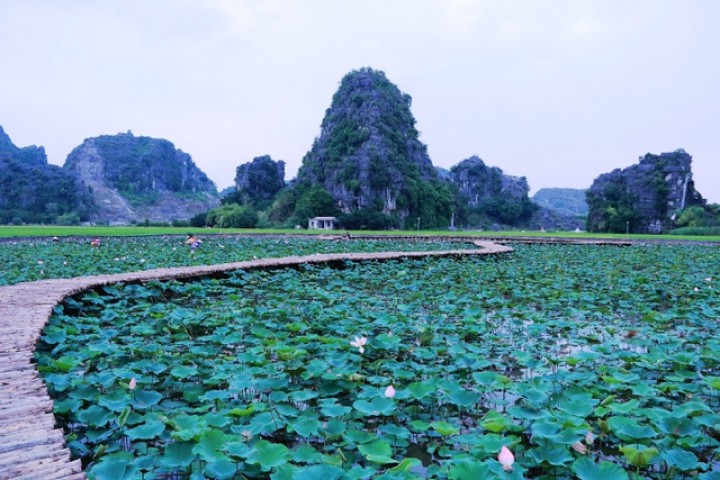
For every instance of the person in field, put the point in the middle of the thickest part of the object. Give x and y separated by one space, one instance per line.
193 241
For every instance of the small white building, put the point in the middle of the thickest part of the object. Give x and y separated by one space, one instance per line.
322 223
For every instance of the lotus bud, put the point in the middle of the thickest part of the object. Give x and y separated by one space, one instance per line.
506 458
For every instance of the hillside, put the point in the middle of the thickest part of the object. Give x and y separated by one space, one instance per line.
33 191
645 197
486 195
133 179
258 182
570 202
368 159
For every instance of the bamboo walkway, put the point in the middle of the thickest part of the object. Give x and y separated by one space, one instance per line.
31 447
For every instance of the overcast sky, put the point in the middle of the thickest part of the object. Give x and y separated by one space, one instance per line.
556 91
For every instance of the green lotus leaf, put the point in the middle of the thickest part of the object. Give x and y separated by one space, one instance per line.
335 410
624 408
378 451
395 430
464 398
242 412
184 371
238 449
305 426
420 390
495 422
680 459
286 410
67 405
552 454
376 407
712 382
123 417
212 444
586 469
469 470
265 422
268 455
405 465
178 455
682 426
333 428
146 398
115 401
578 405
66 363
146 431
214 395
628 429
95 416
358 436
639 455
303 395
221 469
316 472
444 428
118 467
305 454
526 413
192 393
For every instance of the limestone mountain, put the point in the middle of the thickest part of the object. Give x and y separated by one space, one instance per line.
133 179
644 197
566 201
258 182
369 158
33 191
487 195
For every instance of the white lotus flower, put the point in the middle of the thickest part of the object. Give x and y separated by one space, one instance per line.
359 343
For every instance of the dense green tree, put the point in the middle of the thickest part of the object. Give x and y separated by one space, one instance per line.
699 216
33 191
232 216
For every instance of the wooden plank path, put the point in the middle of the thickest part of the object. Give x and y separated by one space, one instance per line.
31 447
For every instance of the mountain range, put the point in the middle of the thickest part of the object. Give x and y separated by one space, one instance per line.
367 167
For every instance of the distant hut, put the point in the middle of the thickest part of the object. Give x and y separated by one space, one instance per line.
322 223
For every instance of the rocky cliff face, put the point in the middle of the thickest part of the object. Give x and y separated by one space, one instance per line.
477 181
140 178
32 191
258 182
368 155
644 197
488 192
566 201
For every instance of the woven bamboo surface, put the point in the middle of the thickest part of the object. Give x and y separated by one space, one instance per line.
31 447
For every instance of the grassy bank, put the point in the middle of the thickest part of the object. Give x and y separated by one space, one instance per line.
136 231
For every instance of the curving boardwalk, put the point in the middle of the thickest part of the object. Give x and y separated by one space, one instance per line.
31 447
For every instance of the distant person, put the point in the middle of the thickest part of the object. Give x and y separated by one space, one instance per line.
95 242
193 241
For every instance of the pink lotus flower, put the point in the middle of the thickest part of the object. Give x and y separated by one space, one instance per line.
359 342
132 384
390 391
589 437
579 447
506 458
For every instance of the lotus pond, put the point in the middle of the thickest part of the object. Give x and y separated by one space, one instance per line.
38 259
585 362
